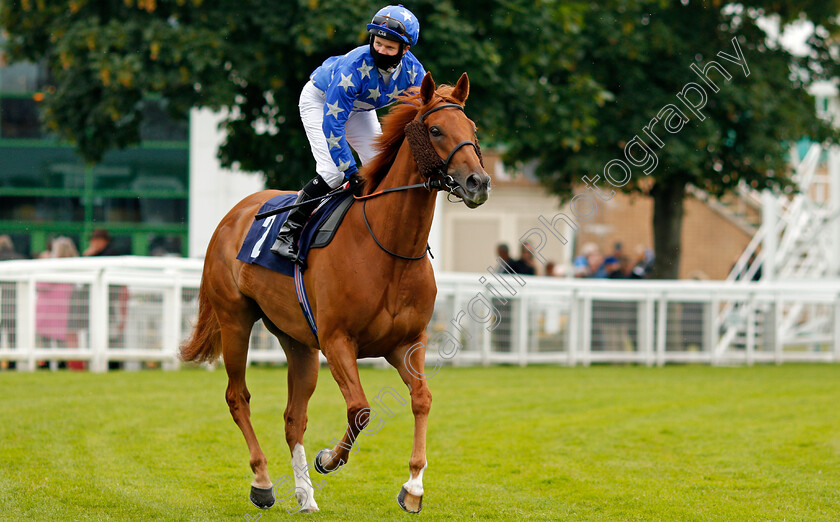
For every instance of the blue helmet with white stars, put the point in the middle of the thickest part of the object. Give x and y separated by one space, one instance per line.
395 22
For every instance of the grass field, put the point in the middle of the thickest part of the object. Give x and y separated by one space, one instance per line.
542 443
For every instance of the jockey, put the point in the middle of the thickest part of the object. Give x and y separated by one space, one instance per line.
337 107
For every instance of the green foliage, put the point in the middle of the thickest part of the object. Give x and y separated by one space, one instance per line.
250 57
504 443
563 84
640 55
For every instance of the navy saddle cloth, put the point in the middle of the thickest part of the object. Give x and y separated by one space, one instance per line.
317 232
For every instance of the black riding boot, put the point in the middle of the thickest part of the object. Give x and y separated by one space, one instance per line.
287 238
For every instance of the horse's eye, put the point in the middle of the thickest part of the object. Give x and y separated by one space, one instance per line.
435 131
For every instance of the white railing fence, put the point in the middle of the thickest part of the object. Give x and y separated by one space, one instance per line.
95 312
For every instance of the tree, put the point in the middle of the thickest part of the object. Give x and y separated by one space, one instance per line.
251 58
740 129
568 85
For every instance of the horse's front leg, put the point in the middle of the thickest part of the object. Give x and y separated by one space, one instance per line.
409 361
341 356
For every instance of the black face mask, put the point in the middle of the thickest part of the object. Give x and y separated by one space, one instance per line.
383 61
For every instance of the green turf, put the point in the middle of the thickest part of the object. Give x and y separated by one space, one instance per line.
545 443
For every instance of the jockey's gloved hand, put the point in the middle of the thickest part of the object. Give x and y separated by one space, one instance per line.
356 183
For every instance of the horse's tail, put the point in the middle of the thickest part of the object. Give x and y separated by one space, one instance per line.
205 344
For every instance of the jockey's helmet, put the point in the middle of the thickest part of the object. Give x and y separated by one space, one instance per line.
395 22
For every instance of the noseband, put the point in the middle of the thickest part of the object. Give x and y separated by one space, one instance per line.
434 168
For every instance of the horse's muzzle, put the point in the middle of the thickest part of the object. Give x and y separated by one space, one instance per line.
475 189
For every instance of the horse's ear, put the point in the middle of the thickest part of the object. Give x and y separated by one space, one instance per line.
427 88
462 89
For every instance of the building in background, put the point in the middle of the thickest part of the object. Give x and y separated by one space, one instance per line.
46 190
142 195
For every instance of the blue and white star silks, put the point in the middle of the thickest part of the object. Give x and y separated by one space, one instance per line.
352 83
334 110
334 141
346 82
364 70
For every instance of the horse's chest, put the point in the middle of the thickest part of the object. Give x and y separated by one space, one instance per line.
408 308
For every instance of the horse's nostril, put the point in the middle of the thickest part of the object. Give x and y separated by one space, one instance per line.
473 182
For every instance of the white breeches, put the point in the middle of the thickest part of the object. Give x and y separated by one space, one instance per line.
361 131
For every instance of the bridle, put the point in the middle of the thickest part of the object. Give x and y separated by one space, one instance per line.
431 165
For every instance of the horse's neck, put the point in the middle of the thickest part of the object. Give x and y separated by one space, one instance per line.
402 220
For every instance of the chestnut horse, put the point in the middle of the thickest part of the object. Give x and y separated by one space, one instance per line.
366 301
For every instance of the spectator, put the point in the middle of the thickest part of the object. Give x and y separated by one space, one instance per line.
100 244
625 268
503 253
52 308
501 336
64 247
526 264
617 253
7 249
644 262
581 261
595 265
612 265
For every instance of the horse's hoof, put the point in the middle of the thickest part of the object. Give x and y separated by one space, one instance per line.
306 503
409 502
320 467
262 498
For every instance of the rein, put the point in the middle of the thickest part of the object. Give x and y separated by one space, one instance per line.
430 165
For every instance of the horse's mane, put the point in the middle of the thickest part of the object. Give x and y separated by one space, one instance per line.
393 132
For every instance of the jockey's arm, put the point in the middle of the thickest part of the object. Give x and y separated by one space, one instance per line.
338 105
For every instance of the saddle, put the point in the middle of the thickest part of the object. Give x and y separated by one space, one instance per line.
318 231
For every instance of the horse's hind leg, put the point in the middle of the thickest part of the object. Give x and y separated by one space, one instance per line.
302 377
409 361
235 338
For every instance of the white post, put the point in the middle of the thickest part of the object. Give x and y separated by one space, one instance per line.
661 329
27 297
171 324
98 315
586 330
712 326
836 332
770 219
486 337
834 205
778 330
573 334
522 330
644 327
750 349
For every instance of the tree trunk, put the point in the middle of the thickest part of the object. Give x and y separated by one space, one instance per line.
667 228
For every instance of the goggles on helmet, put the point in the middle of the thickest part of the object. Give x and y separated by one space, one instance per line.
391 23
